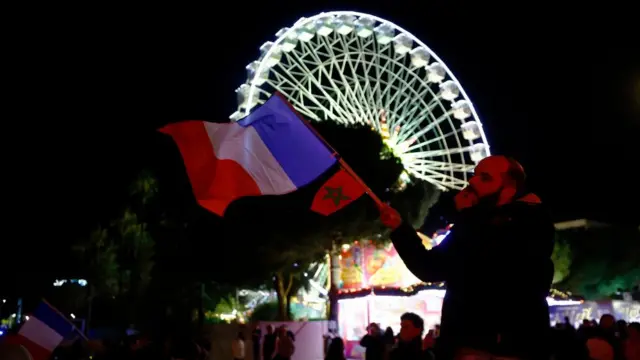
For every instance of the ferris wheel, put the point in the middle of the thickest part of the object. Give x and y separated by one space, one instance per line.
351 68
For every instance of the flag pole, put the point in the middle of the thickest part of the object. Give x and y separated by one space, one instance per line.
75 328
335 154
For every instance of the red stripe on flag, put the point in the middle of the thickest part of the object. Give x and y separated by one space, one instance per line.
339 191
36 351
215 183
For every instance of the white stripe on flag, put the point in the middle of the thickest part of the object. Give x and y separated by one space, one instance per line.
245 147
41 334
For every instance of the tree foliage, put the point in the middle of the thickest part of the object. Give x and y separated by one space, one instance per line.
267 311
605 260
118 258
562 258
98 256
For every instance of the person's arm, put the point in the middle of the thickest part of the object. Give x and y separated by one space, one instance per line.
264 340
276 347
364 342
427 265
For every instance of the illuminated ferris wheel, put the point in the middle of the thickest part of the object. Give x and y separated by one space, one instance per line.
352 67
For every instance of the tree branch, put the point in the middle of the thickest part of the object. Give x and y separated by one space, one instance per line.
290 284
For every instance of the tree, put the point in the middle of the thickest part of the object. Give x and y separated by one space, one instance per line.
229 305
119 258
283 239
267 311
98 256
605 260
136 250
561 258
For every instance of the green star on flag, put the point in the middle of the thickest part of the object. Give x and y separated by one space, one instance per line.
339 191
335 194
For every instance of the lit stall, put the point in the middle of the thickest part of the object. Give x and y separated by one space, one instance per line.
375 286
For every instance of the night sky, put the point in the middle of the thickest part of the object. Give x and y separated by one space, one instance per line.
555 88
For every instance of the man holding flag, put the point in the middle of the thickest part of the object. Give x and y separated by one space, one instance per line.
496 264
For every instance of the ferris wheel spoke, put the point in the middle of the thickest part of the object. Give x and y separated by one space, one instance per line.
346 99
434 101
350 92
392 87
314 81
446 180
368 88
388 70
434 124
406 83
454 133
443 165
441 152
414 122
370 113
427 112
409 101
392 71
377 91
301 89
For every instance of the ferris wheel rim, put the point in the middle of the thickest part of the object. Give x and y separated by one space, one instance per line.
435 56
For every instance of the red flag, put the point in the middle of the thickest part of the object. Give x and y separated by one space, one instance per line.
339 191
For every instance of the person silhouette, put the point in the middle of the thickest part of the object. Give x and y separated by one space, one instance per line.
496 264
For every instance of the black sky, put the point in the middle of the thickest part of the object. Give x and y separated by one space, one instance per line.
554 88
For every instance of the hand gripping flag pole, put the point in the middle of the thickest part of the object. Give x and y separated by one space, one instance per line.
347 169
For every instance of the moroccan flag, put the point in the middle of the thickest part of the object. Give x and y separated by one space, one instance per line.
339 191
269 152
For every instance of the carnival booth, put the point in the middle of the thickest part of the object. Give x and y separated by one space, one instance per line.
374 285
627 310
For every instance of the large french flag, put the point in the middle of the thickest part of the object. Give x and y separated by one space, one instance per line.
270 152
43 332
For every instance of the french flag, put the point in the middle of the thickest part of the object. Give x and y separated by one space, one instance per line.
269 152
43 332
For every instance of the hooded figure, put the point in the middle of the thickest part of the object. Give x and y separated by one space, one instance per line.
496 264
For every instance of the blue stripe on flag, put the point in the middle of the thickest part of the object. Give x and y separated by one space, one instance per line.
297 149
53 319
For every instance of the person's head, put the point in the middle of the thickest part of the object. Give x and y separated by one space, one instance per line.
496 180
607 321
373 329
269 329
411 326
282 331
388 332
336 349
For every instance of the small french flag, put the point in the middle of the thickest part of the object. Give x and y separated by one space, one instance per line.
44 331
